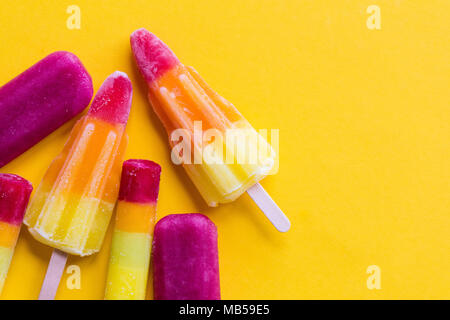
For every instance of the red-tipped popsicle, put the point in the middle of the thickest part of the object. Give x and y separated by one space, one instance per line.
133 231
185 258
14 195
234 158
73 204
40 100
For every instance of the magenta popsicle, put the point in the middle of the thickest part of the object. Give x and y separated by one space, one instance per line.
40 100
14 195
185 258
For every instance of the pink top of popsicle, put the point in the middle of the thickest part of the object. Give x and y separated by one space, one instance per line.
140 181
112 102
14 195
152 56
185 258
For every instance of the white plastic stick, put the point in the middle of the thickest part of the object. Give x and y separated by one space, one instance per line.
53 276
269 207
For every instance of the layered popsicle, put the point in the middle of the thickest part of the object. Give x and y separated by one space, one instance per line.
14 195
221 169
185 258
40 100
73 204
133 231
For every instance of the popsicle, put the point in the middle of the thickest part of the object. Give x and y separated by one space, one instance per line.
183 100
185 258
73 204
40 100
133 231
14 195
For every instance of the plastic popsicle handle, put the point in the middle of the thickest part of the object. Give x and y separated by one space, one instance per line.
269 208
53 276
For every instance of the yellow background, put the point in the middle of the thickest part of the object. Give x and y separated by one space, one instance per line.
364 136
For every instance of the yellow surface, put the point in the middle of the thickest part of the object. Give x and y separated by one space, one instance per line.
364 132
6 254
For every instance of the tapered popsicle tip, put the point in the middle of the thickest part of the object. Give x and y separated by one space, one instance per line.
140 181
152 56
112 102
15 192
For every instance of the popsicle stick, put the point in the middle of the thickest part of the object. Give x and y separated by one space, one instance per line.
269 208
53 276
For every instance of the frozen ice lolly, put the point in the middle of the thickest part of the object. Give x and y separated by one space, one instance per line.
230 157
40 100
14 195
185 258
73 204
133 231
179 97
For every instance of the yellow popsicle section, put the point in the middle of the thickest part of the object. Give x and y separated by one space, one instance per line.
230 155
133 231
73 204
8 238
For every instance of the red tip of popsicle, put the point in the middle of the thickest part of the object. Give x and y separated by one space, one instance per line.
15 192
112 102
140 181
152 56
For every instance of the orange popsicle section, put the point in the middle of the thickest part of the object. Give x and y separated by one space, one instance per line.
135 217
8 234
